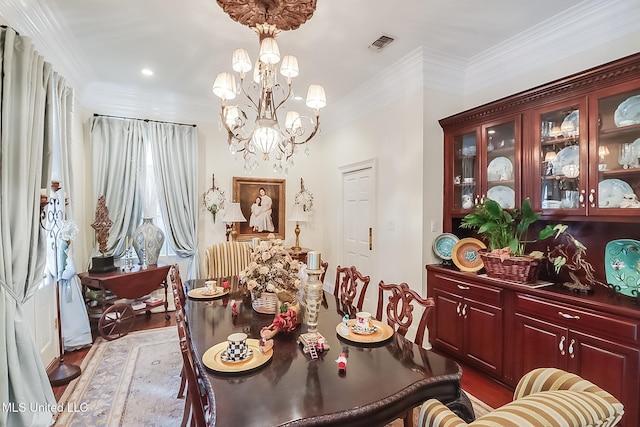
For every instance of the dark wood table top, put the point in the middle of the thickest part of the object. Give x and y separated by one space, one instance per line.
381 383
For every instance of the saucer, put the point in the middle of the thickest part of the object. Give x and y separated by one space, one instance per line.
212 359
364 331
200 293
225 357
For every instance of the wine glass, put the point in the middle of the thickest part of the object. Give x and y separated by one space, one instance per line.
625 159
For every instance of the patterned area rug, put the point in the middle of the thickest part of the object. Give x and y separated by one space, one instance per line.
131 381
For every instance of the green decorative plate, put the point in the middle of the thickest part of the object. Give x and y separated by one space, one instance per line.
622 266
443 245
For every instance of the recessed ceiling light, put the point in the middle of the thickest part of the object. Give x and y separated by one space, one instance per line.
298 98
147 72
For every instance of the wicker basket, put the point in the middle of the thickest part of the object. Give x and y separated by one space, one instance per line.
267 303
515 269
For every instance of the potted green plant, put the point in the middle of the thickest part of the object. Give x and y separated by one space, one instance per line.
506 233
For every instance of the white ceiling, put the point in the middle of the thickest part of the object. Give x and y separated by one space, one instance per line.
101 46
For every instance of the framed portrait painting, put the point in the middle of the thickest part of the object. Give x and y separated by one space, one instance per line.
263 203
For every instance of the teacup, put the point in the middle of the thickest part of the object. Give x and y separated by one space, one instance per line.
363 320
210 286
236 347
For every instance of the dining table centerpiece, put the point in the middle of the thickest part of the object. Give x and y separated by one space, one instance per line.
272 277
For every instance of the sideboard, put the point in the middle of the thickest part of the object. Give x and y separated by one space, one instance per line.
506 329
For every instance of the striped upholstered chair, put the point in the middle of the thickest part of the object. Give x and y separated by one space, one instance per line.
543 397
227 259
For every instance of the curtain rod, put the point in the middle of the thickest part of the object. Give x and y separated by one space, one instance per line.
144 120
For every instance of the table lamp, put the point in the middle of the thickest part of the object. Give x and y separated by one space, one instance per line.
234 214
298 215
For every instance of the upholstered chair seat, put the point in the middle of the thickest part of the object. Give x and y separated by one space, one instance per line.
544 397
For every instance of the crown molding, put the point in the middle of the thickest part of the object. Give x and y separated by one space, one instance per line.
423 67
582 27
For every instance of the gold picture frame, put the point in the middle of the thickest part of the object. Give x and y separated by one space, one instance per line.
263 204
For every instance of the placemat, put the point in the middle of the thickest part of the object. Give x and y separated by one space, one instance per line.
212 360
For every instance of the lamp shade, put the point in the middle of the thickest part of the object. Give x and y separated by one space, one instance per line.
289 67
603 150
225 86
549 156
316 97
292 121
234 214
241 63
298 214
269 51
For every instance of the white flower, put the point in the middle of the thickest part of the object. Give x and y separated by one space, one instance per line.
266 256
271 287
263 270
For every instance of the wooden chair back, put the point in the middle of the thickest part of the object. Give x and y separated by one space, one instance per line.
350 289
227 259
195 402
400 308
177 287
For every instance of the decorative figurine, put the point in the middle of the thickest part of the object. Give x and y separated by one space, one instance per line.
342 363
344 328
320 344
234 307
225 285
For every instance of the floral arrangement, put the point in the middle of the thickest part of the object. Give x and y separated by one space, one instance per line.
272 270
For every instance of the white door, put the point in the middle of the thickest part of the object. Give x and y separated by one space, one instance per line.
42 312
358 183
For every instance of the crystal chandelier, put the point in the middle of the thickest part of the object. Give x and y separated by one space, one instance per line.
256 127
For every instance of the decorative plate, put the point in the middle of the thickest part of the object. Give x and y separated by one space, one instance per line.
622 266
212 358
443 245
383 332
199 293
465 254
571 124
567 156
500 168
505 196
628 112
611 192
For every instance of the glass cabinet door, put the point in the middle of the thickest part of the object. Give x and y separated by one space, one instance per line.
500 165
616 152
562 166
465 171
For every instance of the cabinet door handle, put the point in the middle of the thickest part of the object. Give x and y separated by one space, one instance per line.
592 193
568 316
464 311
463 288
571 355
561 346
482 199
458 308
581 198
475 202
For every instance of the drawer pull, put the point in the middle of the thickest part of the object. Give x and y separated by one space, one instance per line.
463 288
571 355
568 316
561 346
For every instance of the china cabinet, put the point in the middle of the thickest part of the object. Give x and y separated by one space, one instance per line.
572 146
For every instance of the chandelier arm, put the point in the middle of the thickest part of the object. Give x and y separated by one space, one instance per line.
313 133
230 134
286 98
246 93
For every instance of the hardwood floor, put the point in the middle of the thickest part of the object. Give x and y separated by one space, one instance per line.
473 381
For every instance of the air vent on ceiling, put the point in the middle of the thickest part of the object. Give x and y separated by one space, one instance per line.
382 42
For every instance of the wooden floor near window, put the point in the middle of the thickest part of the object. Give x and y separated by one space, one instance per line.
473 381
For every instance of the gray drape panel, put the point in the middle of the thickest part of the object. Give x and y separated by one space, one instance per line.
25 76
175 152
118 157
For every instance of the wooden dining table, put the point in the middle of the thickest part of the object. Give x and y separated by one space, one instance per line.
382 381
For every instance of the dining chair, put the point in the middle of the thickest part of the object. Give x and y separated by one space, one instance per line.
400 312
400 309
351 286
194 408
325 267
227 259
176 285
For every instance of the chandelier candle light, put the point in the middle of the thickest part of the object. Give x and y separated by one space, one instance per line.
265 97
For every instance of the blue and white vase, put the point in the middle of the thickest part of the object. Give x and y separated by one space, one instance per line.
147 241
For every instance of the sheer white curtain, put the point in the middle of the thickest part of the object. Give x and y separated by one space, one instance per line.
175 152
118 159
25 76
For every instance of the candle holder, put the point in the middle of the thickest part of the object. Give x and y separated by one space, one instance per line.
313 299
